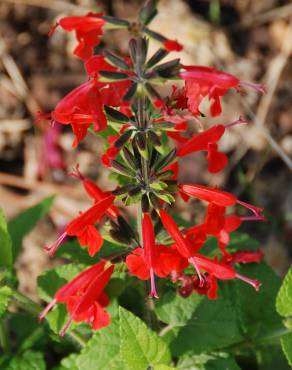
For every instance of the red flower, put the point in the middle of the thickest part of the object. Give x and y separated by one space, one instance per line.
95 192
201 81
88 31
219 197
111 92
152 259
83 228
206 141
80 108
172 45
189 251
85 298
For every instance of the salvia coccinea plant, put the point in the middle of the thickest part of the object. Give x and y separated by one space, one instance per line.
146 135
142 288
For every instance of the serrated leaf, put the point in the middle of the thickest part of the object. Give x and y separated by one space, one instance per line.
23 223
208 362
68 363
213 324
286 342
175 310
140 346
256 310
6 244
284 297
5 293
102 350
29 360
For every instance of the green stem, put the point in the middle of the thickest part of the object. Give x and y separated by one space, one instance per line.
4 340
139 223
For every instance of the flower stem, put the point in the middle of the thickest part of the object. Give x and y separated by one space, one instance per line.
4 340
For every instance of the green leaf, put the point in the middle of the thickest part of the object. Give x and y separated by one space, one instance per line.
23 223
102 350
208 362
286 342
212 325
5 293
68 363
29 360
6 245
140 347
75 253
222 363
284 297
256 310
175 310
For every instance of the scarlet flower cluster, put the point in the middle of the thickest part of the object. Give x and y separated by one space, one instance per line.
121 93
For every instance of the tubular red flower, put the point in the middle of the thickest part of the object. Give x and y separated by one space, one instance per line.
201 81
88 31
202 140
80 108
95 192
83 228
111 92
216 160
184 247
85 298
219 197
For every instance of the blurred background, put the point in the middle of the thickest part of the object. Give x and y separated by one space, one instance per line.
252 39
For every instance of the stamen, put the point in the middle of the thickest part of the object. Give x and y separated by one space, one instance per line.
153 292
240 120
65 327
258 87
47 309
256 210
201 278
52 249
76 173
255 283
